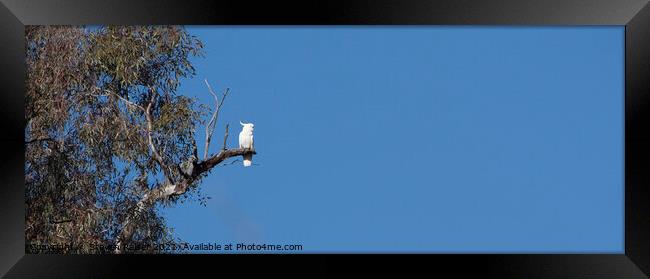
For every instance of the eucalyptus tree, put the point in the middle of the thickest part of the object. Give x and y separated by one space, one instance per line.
108 137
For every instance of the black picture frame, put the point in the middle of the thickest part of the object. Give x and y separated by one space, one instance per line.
633 14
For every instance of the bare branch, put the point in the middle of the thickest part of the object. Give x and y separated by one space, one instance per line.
210 89
209 163
209 129
225 138
213 121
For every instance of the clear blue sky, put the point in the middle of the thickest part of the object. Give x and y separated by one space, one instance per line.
416 139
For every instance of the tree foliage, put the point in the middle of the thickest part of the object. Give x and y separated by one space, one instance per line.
108 134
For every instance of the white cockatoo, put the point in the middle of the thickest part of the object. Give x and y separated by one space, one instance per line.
246 141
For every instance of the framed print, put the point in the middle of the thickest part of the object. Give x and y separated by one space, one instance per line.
500 139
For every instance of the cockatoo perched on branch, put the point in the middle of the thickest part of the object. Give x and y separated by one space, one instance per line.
246 141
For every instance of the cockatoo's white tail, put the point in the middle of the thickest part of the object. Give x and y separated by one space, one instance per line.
248 160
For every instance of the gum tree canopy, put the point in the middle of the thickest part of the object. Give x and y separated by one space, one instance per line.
108 137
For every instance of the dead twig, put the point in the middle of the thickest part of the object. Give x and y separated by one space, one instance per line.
209 129
225 139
